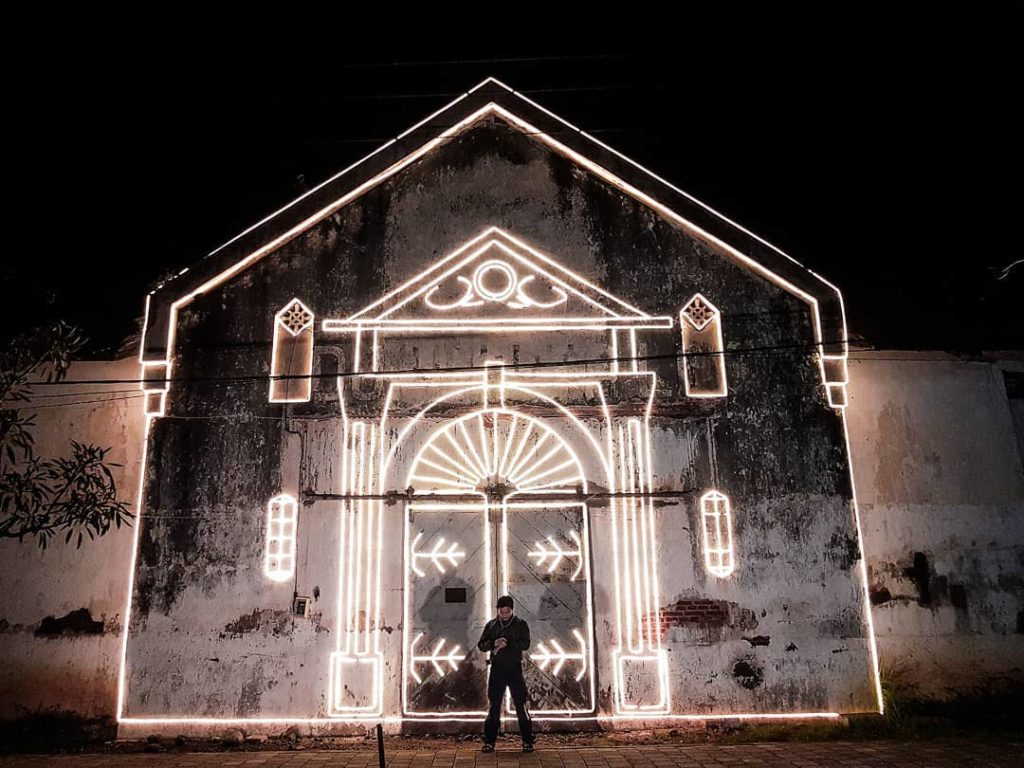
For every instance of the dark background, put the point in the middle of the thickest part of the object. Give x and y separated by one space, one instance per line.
882 149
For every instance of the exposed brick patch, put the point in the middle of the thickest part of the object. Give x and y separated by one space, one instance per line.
697 612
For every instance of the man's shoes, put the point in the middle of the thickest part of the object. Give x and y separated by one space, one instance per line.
528 747
487 747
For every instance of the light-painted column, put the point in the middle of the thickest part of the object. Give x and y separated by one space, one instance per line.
641 667
356 665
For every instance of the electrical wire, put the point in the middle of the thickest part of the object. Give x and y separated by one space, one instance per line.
122 395
459 369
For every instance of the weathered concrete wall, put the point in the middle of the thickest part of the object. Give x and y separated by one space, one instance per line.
941 493
941 496
210 636
62 609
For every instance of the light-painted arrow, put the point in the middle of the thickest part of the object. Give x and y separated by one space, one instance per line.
559 656
453 554
435 657
556 553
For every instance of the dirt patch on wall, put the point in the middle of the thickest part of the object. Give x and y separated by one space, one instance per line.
77 622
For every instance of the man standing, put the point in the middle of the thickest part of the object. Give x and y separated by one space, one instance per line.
506 637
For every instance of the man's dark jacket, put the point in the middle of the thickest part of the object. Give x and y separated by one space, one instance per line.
516 632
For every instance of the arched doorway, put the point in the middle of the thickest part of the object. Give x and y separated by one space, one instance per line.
497 506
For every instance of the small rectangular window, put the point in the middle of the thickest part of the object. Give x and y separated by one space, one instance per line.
455 594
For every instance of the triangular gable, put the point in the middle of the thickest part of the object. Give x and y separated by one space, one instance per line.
492 98
497 276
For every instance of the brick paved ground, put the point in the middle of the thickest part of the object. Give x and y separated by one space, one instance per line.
768 755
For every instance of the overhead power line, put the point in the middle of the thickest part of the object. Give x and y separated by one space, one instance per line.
120 395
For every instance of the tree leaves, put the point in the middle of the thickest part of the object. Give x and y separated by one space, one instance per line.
75 495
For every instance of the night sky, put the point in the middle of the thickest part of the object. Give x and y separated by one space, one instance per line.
887 158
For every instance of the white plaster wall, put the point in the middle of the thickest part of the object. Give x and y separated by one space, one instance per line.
938 472
72 672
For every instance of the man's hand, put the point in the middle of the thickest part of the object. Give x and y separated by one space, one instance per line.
500 643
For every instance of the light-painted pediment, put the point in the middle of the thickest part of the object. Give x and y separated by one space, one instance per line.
498 278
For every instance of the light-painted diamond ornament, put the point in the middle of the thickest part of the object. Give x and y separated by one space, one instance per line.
295 317
699 312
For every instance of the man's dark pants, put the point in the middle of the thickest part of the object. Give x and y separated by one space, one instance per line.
510 677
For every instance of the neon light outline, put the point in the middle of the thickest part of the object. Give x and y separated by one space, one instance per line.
480 453
557 554
598 170
686 323
466 300
715 511
813 302
544 657
491 295
285 334
435 556
435 657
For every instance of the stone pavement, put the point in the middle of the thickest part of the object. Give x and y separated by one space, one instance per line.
768 755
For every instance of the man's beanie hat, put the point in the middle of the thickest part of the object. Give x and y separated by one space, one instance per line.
506 601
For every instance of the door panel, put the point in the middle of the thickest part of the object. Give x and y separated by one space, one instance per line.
447 577
545 564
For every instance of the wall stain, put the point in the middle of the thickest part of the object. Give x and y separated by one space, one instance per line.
77 622
252 691
277 623
843 549
748 673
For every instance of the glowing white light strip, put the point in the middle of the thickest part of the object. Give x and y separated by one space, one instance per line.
482 113
435 657
453 554
153 382
279 557
496 324
556 554
497 447
122 682
309 221
359 602
336 687
240 265
543 657
466 300
697 316
398 719
716 523
635 564
669 213
566 151
292 354
495 265
441 270
660 659
865 590
676 189
641 471
647 539
524 301
477 462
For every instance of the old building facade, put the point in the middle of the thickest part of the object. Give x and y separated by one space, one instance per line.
495 357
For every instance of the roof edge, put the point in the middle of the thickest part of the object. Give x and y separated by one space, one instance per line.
268 234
